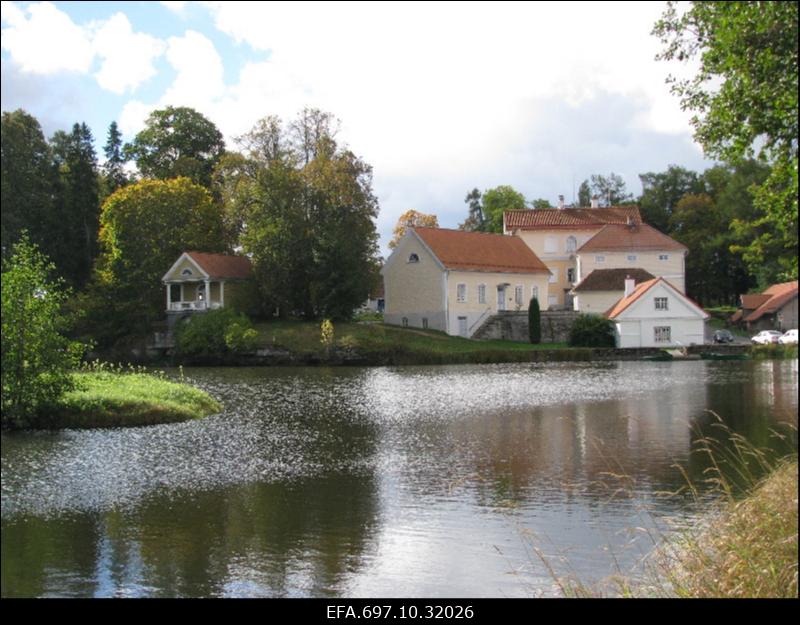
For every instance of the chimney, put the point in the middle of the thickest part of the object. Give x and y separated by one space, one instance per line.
630 285
561 201
595 201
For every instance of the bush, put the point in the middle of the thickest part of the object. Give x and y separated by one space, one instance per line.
36 357
592 331
215 332
534 322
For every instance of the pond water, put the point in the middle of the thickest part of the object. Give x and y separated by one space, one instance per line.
479 481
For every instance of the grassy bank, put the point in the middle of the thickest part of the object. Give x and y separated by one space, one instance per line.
772 352
124 399
749 549
379 343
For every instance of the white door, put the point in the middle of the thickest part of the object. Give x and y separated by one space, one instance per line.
501 298
462 327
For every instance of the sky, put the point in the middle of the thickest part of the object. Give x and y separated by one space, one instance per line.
439 98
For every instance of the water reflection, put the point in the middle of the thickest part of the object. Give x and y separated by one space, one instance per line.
403 482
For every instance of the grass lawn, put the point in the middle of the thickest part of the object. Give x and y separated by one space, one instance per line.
395 344
114 399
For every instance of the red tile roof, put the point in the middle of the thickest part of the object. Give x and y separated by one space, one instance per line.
614 237
624 303
222 265
779 296
753 301
479 251
554 218
611 279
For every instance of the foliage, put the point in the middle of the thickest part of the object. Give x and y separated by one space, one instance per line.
534 321
36 357
744 97
495 202
661 192
145 227
541 203
610 190
215 333
177 141
411 219
309 212
475 218
592 331
114 167
28 183
326 333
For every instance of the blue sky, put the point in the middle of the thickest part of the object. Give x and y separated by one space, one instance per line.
438 98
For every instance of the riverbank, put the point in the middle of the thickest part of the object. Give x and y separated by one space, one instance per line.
297 343
126 399
749 550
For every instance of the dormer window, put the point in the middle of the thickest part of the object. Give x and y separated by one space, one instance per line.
186 272
572 245
413 258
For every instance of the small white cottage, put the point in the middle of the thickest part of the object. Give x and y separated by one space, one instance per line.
656 314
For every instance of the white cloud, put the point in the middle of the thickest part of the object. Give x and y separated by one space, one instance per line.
128 57
176 6
46 41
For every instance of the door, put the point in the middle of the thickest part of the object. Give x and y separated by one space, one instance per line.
462 327
501 297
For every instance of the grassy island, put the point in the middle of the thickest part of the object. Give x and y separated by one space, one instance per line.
119 398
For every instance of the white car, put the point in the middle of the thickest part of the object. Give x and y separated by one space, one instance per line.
766 337
790 338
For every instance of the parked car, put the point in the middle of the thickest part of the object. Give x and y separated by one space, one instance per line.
766 337
722 336
790 338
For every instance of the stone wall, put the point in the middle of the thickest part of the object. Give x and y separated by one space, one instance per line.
513 326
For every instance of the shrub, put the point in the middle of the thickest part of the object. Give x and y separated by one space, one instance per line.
214 333
36 357
592 331
534 322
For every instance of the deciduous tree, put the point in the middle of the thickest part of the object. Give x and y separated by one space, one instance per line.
411 219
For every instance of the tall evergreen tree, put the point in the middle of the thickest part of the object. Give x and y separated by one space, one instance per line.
114 167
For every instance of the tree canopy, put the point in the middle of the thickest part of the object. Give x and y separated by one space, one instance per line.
411 219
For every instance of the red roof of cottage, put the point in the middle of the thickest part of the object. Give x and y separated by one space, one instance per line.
779 295
222 265
480 251
615 237
751 302
553 218
624 303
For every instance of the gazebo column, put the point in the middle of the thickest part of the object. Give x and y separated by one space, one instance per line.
169 296
222 293
208 294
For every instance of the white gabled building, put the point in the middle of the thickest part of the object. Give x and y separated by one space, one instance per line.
657 314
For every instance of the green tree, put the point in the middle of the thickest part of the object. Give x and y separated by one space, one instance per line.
28 183
585 194
592 331
114 167
661 192
475 218
145 227
541 203
177 141
74 244
498 200
610 189
36 356
744 99
534 322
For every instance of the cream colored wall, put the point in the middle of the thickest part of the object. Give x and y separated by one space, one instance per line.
476 312
671 270
175 275
558 261
596 302
414 291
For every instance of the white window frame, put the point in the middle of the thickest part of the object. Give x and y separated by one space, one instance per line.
481 293
553 276
461 293
661 303
535 292
663 257
571 245
662 334
519 294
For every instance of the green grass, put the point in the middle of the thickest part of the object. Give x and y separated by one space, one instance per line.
395 345
773 352
124 399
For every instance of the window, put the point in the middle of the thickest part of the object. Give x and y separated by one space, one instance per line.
405 322
413 258
535 292
599 259
662 303
553 276
572 245
424 323
570 275
518 295
186 272
481 293
663 257
662 334
461 293
632 258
